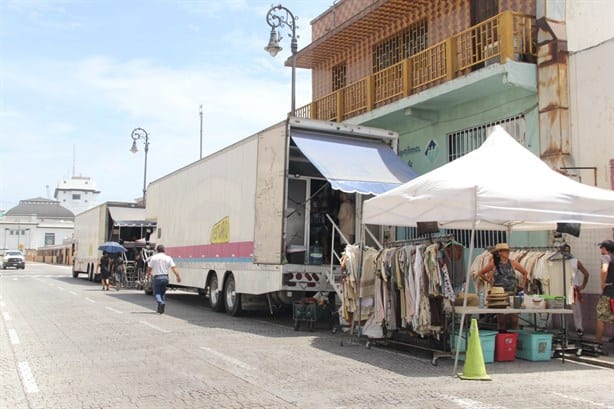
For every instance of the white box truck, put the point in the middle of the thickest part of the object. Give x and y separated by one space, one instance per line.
247 225
122 222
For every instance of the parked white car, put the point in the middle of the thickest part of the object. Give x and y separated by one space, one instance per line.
13 258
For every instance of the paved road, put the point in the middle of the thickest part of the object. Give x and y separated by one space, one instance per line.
64 343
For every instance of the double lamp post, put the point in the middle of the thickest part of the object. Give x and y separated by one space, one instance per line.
140 133
278 17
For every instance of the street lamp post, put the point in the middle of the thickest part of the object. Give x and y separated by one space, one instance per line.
277 17
140 133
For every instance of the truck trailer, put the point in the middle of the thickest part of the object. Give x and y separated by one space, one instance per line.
122 222
253 225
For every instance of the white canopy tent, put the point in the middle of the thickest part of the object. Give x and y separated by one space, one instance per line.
499 186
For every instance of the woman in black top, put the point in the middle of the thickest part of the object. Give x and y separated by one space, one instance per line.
104 269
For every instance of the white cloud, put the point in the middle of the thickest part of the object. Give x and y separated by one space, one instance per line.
237 102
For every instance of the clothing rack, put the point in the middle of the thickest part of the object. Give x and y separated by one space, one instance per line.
431 239
419 240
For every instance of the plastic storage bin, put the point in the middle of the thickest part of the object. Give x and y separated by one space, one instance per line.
316 254
487 341
534 346
505 346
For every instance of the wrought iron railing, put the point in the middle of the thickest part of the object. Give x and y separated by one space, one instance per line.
506 36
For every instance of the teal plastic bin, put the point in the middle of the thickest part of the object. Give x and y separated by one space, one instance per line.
487 341
534 346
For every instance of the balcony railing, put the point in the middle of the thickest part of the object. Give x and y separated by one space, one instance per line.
506 36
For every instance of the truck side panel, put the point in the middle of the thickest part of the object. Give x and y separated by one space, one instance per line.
205 211
89 234
270 189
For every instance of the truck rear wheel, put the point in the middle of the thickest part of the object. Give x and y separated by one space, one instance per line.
215 295
231 298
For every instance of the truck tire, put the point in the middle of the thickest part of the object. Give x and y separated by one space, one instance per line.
215 296
232 299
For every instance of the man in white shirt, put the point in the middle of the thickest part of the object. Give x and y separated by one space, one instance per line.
158 268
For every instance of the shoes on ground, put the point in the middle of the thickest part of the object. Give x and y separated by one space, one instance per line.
601 350
159 308
580 333
162 308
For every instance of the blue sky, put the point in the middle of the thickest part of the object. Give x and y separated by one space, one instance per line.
80 75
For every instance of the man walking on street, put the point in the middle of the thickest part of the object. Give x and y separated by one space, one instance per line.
158 268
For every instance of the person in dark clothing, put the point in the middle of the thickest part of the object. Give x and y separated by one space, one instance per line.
119 270
605 305
104 269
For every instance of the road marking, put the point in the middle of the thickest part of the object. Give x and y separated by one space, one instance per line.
579 399
13 336
6 316
114 310
27 379
73 293
90 300
60 288
154 327
470 403
227 358
15 279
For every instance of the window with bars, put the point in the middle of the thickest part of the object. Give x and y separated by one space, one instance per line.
402 45
460 143
483 238
339 76
466 140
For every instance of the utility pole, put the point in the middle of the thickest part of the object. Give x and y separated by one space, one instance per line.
201 131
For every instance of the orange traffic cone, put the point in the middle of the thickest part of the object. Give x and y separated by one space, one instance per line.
474 368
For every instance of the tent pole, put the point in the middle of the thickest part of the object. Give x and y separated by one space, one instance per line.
467 274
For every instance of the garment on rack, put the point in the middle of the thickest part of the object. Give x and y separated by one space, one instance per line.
367 283
349 267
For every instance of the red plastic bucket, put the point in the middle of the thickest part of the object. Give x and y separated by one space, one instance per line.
505 346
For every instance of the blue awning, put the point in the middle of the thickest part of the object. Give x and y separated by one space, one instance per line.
353 165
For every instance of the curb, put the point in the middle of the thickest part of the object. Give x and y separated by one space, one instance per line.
591 360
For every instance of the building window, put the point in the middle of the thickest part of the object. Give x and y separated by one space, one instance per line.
402 45
76 196
464 141
49 239
339 78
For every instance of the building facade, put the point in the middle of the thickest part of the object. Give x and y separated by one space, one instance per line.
36 223
441 73
77 194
